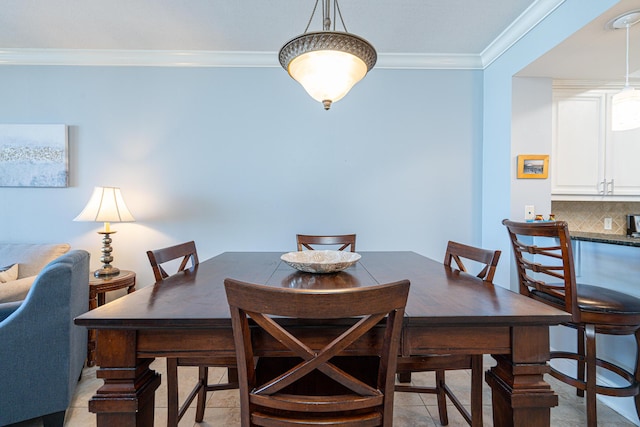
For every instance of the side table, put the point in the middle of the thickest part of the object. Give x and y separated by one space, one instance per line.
98 287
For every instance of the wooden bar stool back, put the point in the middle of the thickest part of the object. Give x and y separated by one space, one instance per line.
342 241
486 261
185 255
546 273
320 384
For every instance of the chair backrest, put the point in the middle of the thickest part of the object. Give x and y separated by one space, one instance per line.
186 251
545 273
344 241
362 310
458 251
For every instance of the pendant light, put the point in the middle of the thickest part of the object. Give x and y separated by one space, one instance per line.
327 63
625 105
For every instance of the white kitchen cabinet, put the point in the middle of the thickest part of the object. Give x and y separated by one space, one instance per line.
588 159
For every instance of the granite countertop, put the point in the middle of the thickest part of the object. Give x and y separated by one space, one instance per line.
613 239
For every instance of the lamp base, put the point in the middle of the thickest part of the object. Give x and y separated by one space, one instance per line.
106 272
106 258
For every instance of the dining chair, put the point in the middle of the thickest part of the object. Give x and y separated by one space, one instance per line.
186 255
324 382
546 273
486 261
343 241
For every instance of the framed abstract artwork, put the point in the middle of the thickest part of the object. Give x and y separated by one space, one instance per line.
34 155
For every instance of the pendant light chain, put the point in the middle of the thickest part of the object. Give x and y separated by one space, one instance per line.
315 6
337 7
326 16
626 84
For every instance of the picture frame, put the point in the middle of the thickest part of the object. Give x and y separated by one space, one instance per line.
34 155
533 166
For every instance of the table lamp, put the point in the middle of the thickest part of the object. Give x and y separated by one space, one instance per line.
106 205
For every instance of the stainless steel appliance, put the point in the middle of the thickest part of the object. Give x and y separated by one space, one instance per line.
633 225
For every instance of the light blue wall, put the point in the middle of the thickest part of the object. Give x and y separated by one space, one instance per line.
243 159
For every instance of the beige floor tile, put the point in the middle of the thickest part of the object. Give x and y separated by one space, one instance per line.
221 417
224 399
410 409
412 416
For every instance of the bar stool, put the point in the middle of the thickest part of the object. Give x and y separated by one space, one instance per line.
593 309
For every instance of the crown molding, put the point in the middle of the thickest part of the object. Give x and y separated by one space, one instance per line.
137 58
429 61
172 58
526 22
592 84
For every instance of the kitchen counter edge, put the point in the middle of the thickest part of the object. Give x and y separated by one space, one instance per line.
612 239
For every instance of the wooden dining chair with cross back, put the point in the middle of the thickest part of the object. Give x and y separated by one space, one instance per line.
546 273
485 261
185 255
341 380
340 241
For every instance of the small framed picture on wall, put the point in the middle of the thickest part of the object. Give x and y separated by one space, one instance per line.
534 166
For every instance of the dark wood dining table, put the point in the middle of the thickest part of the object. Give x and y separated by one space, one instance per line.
448 312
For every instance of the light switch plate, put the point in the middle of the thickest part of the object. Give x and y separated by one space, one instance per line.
607 223
529 212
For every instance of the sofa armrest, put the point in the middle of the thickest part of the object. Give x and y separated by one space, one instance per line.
41 337
6 309
15 290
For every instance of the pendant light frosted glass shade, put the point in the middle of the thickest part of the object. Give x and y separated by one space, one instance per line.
625 109
327 63
625 105
327 75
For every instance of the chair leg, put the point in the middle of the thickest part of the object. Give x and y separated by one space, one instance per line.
172 392
476 390
581 364
404 377
442 398
203 377
232 375
53 420
592 419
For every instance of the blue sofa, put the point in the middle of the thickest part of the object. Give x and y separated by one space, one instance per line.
42 352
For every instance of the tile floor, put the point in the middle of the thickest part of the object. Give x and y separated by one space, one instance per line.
411 410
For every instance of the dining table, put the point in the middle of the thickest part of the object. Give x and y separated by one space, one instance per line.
447 312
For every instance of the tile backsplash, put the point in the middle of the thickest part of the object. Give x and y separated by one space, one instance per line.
589 216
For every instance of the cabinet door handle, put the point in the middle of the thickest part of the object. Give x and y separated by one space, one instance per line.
610 187
601 188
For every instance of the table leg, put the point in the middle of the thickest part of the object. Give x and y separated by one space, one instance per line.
91 341
520 396
127 397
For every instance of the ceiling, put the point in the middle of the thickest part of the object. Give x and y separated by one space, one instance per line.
406 33
595 52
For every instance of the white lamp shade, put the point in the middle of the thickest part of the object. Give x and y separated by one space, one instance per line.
106 205
625 109
327 75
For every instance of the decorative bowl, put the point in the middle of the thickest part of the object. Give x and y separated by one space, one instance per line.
320 261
